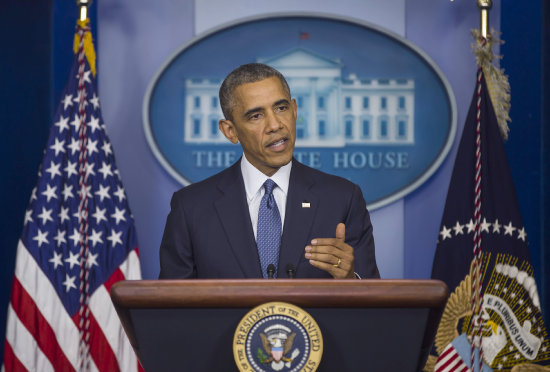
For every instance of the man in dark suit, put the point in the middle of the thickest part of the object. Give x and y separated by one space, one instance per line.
266 215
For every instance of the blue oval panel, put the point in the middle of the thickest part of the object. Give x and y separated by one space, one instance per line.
372 107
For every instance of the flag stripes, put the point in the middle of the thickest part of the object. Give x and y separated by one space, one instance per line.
29 331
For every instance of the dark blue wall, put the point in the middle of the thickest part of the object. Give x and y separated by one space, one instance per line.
521 25
545 182
25 113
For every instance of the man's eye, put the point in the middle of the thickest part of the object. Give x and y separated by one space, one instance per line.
255 117
282 108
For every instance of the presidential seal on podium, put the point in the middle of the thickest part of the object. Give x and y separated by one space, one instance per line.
277 336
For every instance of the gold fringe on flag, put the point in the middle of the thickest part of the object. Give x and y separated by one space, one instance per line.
497 82
89 50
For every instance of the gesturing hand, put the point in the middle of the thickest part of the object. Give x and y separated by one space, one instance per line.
332 255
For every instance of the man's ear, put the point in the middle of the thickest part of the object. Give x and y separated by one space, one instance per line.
228 129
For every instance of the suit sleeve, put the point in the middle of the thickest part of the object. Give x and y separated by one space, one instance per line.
176 249
359 236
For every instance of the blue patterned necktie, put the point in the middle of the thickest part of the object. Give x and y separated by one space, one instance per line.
269 229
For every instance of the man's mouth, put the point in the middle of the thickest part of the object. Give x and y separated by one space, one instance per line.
278 144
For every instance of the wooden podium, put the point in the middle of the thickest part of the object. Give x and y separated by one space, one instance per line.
367 325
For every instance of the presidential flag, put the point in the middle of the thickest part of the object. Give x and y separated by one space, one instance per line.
492 320
78 240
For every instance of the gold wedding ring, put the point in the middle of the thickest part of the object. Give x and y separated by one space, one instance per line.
337 265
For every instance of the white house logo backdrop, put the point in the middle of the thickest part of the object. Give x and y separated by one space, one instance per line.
372 107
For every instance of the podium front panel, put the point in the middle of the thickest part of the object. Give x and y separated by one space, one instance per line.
366 325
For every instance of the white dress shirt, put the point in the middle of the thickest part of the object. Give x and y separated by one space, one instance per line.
253 184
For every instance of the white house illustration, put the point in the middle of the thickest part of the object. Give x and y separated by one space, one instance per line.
333 111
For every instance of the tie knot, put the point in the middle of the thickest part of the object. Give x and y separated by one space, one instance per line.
269 185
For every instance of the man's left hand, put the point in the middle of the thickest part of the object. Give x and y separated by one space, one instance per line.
332 255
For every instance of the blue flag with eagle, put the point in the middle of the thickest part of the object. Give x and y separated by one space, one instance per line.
482 254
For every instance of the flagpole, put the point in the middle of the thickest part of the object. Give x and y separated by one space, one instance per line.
83 4
484 7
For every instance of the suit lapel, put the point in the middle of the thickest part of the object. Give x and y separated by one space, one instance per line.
298 217
240 235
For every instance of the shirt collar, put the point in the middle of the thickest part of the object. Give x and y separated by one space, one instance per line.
254 179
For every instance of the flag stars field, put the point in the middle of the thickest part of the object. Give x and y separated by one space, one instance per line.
69 282
62 124
115 238
56 260
471 226
28 217
522 234
46 215
75 237
67 192
94 101
445 233
509 229
41 238
485 225
60 237
67 101
90 169
458 229
64 214
76 122
53 170
93 124
92 260
107 149
73 146
119 193
496 227
73 259
118 215
95 237
70 169
105 170
92 146
58 147
103 192
49 193
99 215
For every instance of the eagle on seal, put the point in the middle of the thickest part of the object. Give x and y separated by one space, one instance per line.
278 347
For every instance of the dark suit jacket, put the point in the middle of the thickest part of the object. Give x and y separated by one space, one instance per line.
208 232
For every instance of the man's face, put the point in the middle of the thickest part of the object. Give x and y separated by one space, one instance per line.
264 121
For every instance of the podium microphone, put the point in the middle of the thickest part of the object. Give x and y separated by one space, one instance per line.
290 271
270 271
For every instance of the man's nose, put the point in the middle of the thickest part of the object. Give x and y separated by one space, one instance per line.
273 123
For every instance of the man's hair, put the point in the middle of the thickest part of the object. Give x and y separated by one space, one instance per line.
249 73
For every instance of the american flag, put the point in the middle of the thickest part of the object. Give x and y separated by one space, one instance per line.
78 240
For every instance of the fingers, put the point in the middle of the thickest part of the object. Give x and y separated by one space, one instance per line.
336 272
341 232
329 259
332 255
